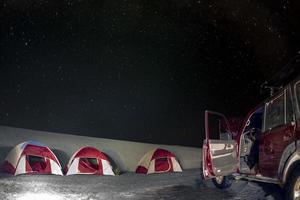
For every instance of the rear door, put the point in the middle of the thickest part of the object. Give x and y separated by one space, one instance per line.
277 134
219 149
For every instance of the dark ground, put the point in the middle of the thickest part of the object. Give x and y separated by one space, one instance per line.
186 185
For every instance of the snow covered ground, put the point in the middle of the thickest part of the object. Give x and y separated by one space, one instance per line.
131 186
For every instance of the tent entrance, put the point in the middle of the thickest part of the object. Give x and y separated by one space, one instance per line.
37 163
87 165
163 164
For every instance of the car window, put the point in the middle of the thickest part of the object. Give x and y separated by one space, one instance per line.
298 93
275 112
289 107
218 129
255 120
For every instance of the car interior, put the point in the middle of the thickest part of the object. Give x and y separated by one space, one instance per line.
249 154
37 163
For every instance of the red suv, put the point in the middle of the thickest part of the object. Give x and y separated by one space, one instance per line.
266 149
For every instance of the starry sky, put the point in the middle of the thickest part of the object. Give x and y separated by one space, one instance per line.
140 70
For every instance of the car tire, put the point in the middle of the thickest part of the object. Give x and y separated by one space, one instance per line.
293 185
223 182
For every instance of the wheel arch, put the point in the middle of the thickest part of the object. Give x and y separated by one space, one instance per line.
292 164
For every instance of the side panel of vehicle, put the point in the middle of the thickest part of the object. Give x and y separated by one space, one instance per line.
290 157
272 146
294 159
278 134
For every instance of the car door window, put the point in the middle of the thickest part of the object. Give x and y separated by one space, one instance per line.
275 112
297 88
279 111
289 107
218 129
255 120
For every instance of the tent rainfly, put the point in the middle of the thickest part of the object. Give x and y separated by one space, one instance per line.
158 161
31 158
89 160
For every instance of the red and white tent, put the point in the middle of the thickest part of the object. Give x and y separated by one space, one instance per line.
89 160
31 157
158 161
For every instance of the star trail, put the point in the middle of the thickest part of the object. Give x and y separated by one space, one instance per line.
138 70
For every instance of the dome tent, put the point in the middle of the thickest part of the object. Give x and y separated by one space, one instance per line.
89 160
31 157
158 161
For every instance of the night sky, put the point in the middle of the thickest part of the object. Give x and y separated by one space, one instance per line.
139 70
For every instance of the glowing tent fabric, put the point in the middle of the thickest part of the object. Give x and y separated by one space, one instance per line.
158 161
89 160
31 158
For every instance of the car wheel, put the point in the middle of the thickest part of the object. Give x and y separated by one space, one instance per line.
223 182
292 187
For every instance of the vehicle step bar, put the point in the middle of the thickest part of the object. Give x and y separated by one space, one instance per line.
256 178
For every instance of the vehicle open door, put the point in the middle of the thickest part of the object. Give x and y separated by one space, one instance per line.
220 157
